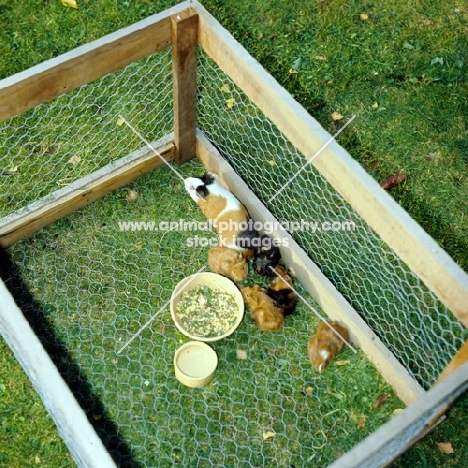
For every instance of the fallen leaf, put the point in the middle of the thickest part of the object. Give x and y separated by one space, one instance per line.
75 159
336 116
260 36
268 435
272 36
69 3
309 390
292 71
114 361
272 163
297 64
375 106
162 328
241 354
230 103
132 196
380 400
364 16
397 412
359 419
390 182
120 121
445 447
322 57
428 22
225 88
342 363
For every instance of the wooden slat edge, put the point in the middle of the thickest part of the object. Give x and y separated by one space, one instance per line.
391 222
83 191
310 276
184 70
393 438
86 63
80 437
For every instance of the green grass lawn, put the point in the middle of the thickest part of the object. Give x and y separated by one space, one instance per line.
402 70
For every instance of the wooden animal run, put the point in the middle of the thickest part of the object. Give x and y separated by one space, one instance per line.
188 27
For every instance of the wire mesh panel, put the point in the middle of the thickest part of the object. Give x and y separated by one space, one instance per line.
99 281
408 318
52 145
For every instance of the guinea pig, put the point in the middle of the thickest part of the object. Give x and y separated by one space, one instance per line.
325 344
281 290
267 254
228 262
228 216
266 314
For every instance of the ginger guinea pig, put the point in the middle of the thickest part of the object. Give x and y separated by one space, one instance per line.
325 344
266 314
228 262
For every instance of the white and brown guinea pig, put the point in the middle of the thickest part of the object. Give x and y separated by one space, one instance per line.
227 214
326 344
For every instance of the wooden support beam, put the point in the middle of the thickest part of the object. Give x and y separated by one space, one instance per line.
73 426
82 65
393 438
391 222
184 27
313 280
83 191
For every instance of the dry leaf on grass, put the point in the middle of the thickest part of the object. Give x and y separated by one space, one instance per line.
390 182
397 412
225 88
241 354
119 122
230 103
342 363
359 419
69 3
380 400
267 435
445 447
132 195
336 116
75 159
364 16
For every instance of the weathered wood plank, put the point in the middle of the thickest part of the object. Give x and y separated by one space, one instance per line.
391 222
73 426
85 64
184 29
393 438
83 191
313 280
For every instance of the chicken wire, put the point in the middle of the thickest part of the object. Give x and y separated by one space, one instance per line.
52 145
420 331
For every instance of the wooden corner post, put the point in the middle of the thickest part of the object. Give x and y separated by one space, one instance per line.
184 32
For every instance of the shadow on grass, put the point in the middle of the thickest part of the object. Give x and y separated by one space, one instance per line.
70 371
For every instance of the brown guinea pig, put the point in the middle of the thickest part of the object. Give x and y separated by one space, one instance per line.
281 290
228 262
325 344
266 314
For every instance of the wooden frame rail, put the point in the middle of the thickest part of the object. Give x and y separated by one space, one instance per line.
87 63
73 426
391 222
